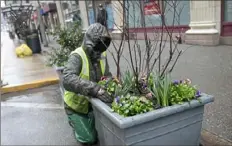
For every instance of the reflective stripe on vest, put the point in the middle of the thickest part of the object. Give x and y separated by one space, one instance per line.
77 102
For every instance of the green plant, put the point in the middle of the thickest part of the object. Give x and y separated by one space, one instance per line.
109 84
69 39
182 91
127 86
128 101
161 89
130 105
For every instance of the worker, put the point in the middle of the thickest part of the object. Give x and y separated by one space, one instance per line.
102 15
85 67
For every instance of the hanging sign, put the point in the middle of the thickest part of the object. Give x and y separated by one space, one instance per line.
151 7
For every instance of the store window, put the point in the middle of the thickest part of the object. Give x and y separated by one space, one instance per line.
133 14
182 12
227 11
110 18
92 8
152 10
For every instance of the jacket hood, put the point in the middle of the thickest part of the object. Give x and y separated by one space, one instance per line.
93 35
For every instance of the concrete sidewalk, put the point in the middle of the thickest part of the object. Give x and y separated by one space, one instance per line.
23 73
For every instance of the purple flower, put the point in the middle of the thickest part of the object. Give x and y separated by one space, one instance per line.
176 82
144 86
198 94
117 99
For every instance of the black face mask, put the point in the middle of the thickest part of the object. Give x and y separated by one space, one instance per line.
100 47
102 44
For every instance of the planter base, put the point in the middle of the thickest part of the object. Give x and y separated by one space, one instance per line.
179 129
174 125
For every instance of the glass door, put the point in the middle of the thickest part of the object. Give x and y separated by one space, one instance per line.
226 16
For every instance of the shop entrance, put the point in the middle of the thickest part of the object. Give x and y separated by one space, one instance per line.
226 18
92 8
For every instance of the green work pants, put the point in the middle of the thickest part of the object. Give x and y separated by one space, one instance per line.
83 125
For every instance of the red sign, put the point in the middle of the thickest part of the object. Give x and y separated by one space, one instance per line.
34 16
151 7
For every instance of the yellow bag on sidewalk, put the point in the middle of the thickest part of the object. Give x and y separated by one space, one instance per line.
19 52
23 51
27 51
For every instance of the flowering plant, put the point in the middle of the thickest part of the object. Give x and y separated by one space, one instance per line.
182 91
156 93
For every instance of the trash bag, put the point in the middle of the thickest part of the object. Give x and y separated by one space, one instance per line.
27 50
19 52
23 51
84 127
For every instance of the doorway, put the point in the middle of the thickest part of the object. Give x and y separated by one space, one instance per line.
226 18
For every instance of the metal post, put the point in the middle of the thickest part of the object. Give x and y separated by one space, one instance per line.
42 28
60 13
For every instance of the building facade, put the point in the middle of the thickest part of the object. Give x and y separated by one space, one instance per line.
198 22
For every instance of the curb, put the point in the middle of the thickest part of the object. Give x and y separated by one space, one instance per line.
30 85
210 139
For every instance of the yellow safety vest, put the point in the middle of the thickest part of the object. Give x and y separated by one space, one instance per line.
77 102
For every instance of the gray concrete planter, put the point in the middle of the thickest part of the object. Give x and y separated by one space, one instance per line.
59 71
174 125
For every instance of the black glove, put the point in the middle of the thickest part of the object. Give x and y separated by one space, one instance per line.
104 96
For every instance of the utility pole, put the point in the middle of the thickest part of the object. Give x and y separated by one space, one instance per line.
60 13
41 24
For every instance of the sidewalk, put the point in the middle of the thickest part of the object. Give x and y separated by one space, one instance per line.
23 73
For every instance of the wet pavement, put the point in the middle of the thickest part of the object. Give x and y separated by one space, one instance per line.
35 117
17 71
210 68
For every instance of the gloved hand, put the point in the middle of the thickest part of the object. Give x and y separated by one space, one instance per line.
104 96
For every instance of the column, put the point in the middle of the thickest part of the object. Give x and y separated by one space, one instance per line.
60 13
50 15
84 14
202 25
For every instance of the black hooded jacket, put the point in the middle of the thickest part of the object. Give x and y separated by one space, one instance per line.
71 80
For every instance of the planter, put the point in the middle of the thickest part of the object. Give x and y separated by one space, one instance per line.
174 125
59 71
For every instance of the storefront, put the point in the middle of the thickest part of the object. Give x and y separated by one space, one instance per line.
150 11
226 18
92 8
49 10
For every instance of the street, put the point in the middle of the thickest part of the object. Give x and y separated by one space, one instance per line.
35 118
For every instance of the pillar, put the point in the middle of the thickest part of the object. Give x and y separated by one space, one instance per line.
203 30
84 15
60 13
50 15
42 27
